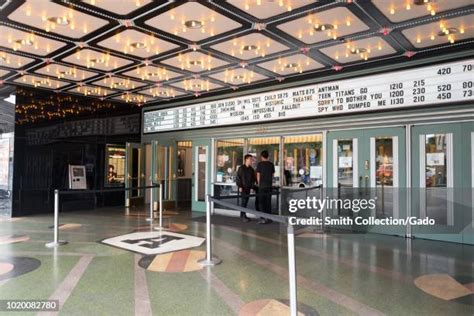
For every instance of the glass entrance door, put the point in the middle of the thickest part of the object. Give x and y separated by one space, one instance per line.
366 164
201 174
135 174
163 170
442 172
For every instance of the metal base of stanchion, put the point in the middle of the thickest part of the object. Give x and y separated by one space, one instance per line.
149 219
210 263
159 228
56 244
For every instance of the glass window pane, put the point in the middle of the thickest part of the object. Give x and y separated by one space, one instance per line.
115 156
272 145
435 149
384 161
303 160
345 168
229 156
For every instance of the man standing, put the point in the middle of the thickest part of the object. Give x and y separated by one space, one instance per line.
245 181
265 172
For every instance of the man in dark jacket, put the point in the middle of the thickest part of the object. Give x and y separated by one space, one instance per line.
245 181
265 172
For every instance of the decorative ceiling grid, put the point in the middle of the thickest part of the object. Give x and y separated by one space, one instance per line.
145 51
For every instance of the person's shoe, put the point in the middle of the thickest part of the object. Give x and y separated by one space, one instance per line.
262 221
245 219
268 221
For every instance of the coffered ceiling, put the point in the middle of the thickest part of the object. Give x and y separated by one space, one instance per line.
143 51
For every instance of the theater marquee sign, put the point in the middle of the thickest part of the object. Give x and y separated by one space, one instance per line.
444 83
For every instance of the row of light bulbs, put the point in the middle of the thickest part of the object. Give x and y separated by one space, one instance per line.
430 7
196 85
73 72
29 40
445 30
188 63
362 52
157 73
168 92
298 66
288 4
148 44
231 77
7 59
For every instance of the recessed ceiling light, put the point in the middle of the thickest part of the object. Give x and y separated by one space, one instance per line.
421 2
152 74
97 60
4 58
323 27
291 65
249 47
196 85
193 24
358 50
138 45
448 31
26 42
238 77
195 62
65 73
39 82
59 20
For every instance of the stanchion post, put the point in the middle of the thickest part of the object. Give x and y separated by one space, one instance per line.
56 242
209 260
292 271
160 199
150 219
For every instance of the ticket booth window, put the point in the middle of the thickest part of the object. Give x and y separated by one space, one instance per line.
303 160
229 156
115 164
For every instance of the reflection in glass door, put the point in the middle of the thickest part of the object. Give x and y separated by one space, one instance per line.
384 175
201 173
135 174
255 146
436 177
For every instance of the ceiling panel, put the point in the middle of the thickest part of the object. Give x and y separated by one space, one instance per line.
41 82
3 72
98 60
293 64
138 44
66 72
119 83
193 21
14 61
125 7
152 73
59 19
93 91
162 92
264 9
441 32
238 76
27 41
364 49
250 46
196 85
194 62
324 25
402 10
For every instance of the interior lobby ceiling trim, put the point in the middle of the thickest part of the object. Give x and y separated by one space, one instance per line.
254 35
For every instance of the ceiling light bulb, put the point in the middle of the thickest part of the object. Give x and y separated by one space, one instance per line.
348 22
392 11
433 12
432 37
247 7
461 30
408 6
418 40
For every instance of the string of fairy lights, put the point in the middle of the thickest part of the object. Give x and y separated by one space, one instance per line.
33 106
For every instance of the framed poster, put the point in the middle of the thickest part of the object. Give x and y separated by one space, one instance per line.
114 165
